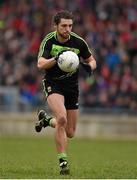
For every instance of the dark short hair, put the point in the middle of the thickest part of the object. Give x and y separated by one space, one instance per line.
62 14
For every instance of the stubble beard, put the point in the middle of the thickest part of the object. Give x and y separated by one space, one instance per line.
65 37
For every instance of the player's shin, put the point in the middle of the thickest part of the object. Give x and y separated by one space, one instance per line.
61 143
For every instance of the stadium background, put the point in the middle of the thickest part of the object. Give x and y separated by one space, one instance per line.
108 100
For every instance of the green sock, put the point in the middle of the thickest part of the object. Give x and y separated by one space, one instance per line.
62 157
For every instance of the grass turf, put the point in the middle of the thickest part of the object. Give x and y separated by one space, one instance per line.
35 158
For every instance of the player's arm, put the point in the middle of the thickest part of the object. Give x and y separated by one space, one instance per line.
44 63
89 63
44 58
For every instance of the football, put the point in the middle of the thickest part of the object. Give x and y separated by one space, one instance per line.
68 61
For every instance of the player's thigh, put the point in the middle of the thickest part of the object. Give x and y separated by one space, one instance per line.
56 104
72 116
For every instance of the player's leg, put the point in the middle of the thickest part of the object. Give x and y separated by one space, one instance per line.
72 116
71 103
56 104
44 120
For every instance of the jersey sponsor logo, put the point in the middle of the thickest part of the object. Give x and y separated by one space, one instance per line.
57 48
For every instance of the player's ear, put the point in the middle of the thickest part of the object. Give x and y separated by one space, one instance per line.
55 26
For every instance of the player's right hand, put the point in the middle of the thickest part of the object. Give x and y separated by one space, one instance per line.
58 55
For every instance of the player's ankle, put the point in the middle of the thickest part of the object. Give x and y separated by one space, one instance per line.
62 156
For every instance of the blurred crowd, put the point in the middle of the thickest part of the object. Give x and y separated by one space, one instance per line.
109 27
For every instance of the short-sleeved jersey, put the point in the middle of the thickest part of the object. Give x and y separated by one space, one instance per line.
50 47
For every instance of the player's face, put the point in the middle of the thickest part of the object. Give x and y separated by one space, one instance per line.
64 28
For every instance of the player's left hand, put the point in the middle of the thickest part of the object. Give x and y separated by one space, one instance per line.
87 68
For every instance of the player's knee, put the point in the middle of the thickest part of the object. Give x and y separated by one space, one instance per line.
62 120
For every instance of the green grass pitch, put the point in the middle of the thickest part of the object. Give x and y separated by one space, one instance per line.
35 158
